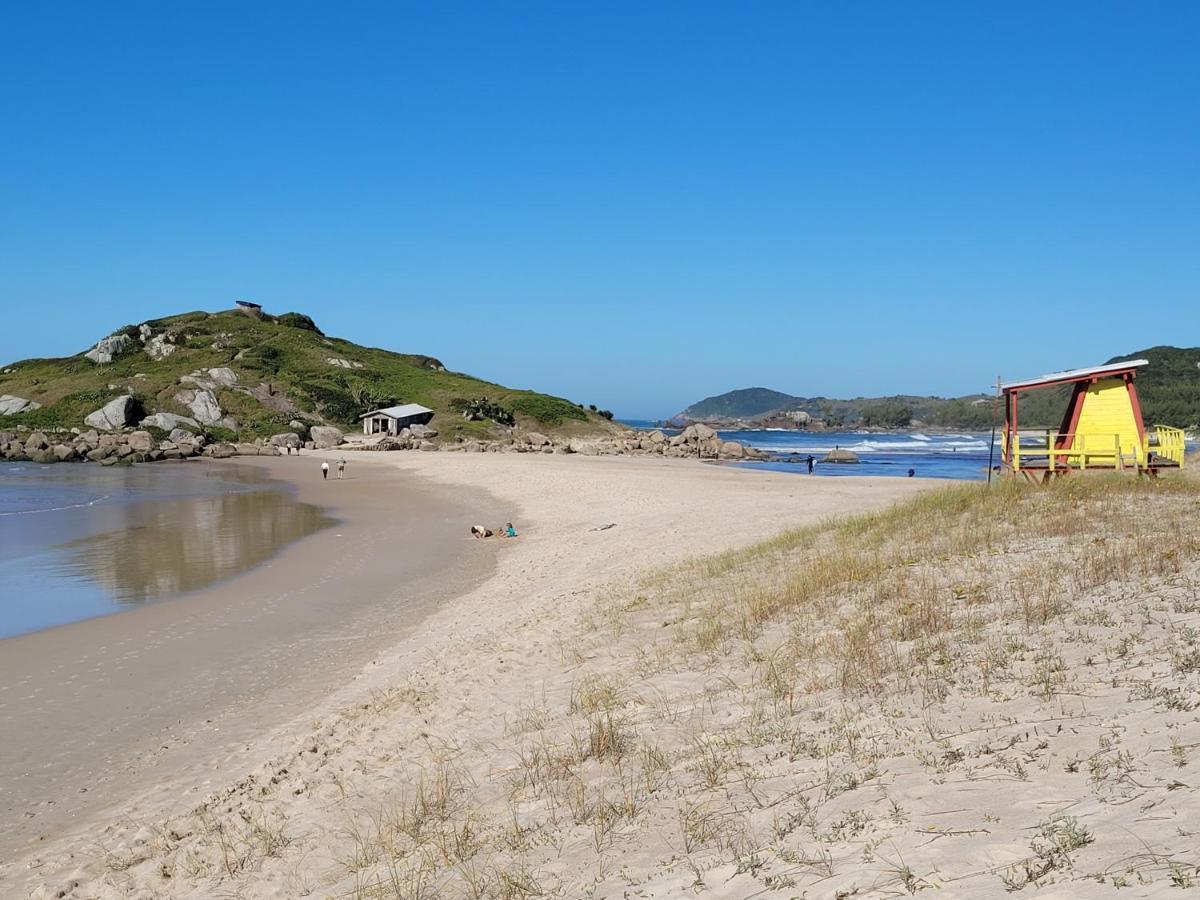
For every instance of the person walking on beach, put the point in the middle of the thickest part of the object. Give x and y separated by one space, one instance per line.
341 467
811 459
325 471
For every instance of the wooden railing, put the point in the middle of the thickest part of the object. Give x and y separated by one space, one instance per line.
1092 451
1170 443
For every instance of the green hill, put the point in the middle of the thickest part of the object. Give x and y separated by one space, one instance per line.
744 403
1169 390
284 369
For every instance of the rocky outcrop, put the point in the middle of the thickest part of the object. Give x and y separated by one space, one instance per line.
113 415
838 455
286 439
160 346
344 363
67 446
107 349
203 404
167 421
325 436
10 405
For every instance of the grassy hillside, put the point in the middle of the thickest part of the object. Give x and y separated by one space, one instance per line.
284 369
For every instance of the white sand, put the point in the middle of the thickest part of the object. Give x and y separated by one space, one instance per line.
466 672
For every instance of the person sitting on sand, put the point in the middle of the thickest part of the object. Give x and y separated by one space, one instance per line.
478 531
509 531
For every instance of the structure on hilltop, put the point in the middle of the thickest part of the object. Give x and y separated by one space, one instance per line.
1102 427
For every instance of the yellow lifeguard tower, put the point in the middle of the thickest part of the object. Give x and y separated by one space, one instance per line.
1102 427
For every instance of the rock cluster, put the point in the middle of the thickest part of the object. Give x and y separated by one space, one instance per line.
107 449
109 348
696 441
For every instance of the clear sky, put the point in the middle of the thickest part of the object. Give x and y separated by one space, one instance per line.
635 205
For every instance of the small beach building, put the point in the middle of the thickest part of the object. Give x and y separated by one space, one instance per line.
393 418
1101 428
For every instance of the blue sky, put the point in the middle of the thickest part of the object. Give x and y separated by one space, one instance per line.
635 205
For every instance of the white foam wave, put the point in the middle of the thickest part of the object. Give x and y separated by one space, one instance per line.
45 509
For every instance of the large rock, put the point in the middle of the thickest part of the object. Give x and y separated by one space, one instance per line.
657 437
113 415
10 405
325 436
167 421
183 436
220 450
223 376
583 447
703 432
203 404
160 347
423 431
537 440
838 455
286 439
65 452
141 442
733 450
36 441
108 348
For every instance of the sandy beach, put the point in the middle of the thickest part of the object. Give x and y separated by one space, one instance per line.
149 756
94 711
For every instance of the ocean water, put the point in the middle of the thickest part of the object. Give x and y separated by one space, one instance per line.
931 455
79 540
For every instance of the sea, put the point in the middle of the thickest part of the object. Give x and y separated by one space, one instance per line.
954 455
78 541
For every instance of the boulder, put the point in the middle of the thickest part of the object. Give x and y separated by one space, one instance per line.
10 405
108 348
98 454
285 439
247 449
732 450
325 436
203 404
223 376
160 347
141 442
64 452
537 440
838 455
423 431
657 437
36 441
168 421
220 450
427 445
585 448
703 432
144 332
113 415
183 436
90 437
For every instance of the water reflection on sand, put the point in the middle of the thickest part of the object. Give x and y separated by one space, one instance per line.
148 551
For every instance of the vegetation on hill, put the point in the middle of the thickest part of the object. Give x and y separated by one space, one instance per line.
287 370
1168 388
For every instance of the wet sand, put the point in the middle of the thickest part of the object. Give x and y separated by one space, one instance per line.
93 712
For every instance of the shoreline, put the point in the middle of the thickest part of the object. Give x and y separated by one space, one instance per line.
469 666
97 708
